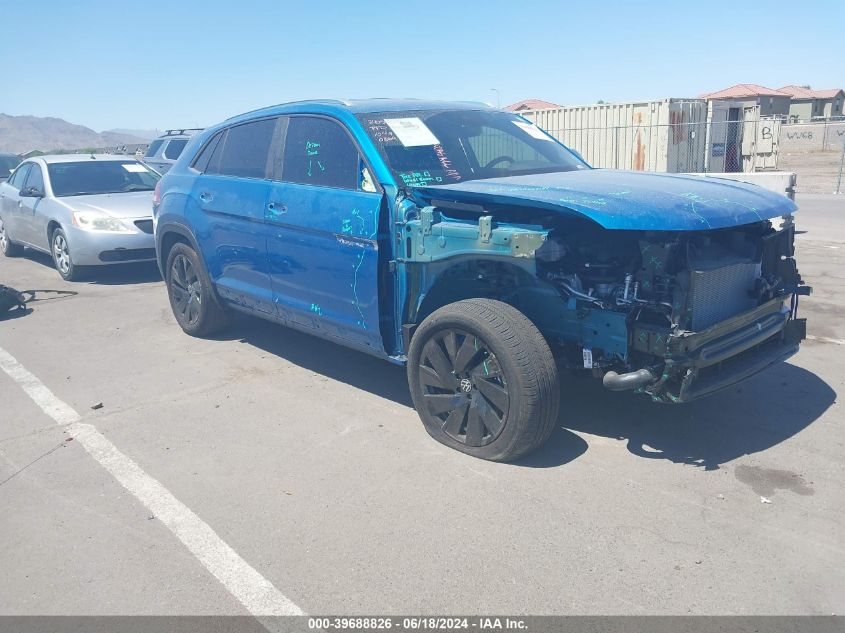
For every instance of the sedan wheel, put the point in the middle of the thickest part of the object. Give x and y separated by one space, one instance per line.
60 250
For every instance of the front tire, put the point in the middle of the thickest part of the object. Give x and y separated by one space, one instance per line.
62 259
191 296
9 248
484 380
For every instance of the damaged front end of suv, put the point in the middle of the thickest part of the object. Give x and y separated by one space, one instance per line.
675 292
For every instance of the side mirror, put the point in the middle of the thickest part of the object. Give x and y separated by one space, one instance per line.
31 192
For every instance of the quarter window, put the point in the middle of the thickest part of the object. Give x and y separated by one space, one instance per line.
153 148
174 148
245 150
201 162
319 152
19 176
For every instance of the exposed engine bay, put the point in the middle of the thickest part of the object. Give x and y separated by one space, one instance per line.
674 314
668 286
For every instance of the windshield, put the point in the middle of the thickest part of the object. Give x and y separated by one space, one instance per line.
438 147
7 165
100 176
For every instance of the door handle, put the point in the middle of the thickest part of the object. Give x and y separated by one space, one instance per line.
277 207
206 197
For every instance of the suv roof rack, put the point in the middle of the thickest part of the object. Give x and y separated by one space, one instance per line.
183 130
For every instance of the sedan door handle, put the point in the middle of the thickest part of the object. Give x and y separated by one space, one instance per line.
277 207
206 197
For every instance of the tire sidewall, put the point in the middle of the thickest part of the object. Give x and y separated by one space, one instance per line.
515 419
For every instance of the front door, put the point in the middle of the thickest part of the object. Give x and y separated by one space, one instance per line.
11 205
33 221
232 194
323 229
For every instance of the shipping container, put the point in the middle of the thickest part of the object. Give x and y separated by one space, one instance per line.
668 135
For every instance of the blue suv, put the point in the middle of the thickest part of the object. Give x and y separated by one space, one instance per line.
469 245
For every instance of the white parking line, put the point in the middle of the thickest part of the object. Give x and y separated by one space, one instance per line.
250 588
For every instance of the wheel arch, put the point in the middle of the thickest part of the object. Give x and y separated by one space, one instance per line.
169 235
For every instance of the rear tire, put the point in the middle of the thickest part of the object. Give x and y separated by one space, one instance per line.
62 259
484 380
192 298
9 248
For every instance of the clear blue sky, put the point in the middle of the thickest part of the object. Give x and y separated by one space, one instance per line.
154 64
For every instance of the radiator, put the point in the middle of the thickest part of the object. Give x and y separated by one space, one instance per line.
717 294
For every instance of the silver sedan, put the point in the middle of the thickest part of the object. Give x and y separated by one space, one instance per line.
83 209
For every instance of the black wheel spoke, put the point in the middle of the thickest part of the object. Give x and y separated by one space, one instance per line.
435 356
475 428
491 420
440 403
431 378
451 343
455 420
494 393
468 355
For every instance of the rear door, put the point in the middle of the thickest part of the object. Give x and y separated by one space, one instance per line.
323 221
232 194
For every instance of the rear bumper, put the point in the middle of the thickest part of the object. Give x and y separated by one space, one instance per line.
698 364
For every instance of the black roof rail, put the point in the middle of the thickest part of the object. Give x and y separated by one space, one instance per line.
178 131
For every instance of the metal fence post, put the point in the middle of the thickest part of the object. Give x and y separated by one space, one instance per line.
841 164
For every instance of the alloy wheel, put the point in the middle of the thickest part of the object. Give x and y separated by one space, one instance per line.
186 288
464 387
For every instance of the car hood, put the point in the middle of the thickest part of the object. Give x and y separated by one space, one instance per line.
133 204
625 200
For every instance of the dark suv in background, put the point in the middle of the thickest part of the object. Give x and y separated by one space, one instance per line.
164 150
8 162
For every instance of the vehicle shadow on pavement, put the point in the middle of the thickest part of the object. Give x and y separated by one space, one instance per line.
748 418
334 361
111 275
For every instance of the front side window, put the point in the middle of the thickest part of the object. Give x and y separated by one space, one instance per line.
174 148
319 152
244 151
19 176
153 148
93 177
35 179
438 147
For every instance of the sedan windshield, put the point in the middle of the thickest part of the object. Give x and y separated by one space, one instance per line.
93 177
438 147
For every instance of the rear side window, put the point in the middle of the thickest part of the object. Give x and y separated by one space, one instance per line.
153 148
245 150
19 176
35 178
319 152
174 148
